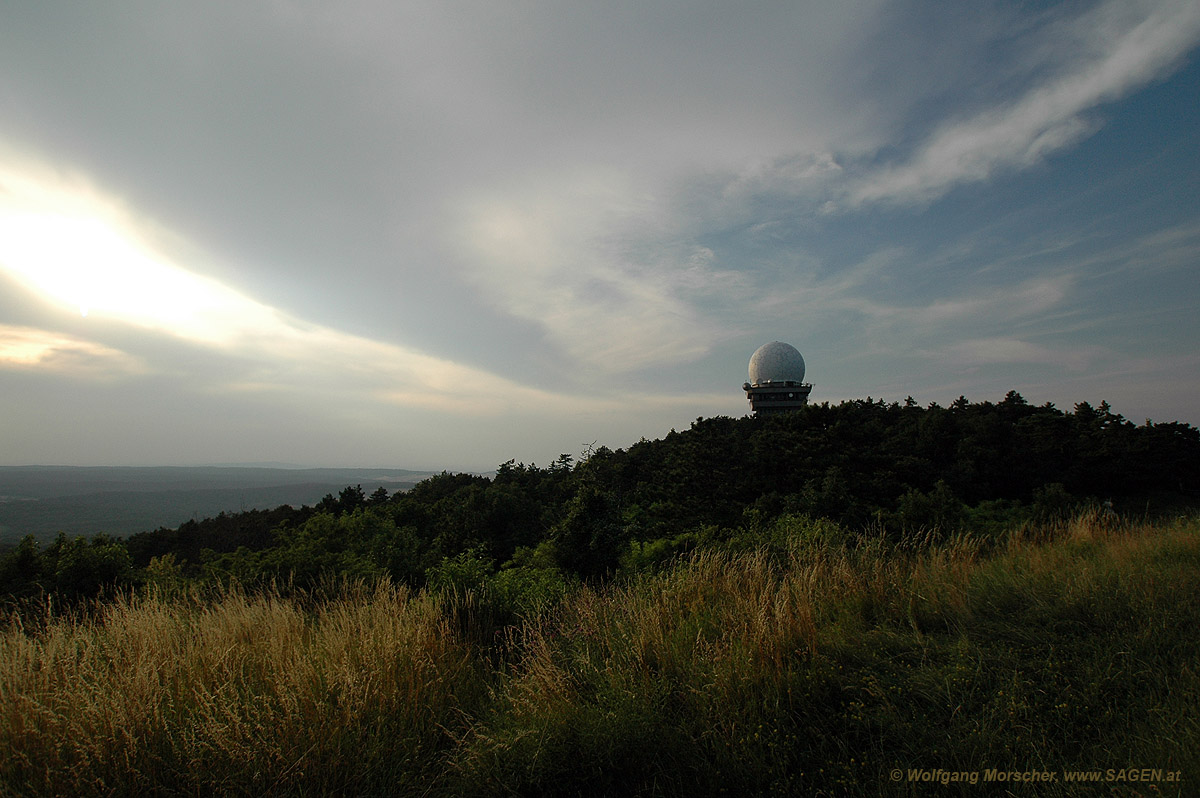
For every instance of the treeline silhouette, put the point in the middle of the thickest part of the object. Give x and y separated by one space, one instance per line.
872 467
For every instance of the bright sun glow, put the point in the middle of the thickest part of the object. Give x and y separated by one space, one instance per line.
82 252
101 267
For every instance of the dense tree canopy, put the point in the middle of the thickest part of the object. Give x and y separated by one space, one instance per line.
867 465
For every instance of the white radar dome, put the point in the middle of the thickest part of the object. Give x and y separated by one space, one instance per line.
776 362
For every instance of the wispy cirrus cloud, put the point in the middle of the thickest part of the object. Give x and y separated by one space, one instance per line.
996 305
1010 350
1107 52
564 256
546 256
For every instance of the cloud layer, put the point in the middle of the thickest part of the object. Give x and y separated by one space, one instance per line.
409 222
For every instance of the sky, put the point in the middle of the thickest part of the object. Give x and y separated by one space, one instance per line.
443 235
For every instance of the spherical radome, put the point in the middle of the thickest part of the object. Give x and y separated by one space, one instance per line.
776 362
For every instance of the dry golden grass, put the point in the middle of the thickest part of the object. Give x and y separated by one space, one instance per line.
247 694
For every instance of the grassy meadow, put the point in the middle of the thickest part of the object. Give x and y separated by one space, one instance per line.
804 663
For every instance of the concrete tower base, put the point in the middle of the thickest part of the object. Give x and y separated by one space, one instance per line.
777 397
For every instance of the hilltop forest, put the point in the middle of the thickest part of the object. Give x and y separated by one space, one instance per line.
873 468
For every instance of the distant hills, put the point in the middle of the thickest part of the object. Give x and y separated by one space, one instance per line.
44 500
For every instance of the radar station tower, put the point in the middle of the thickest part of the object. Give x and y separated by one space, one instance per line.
776 379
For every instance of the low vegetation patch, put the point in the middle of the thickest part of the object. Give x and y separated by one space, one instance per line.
812 663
